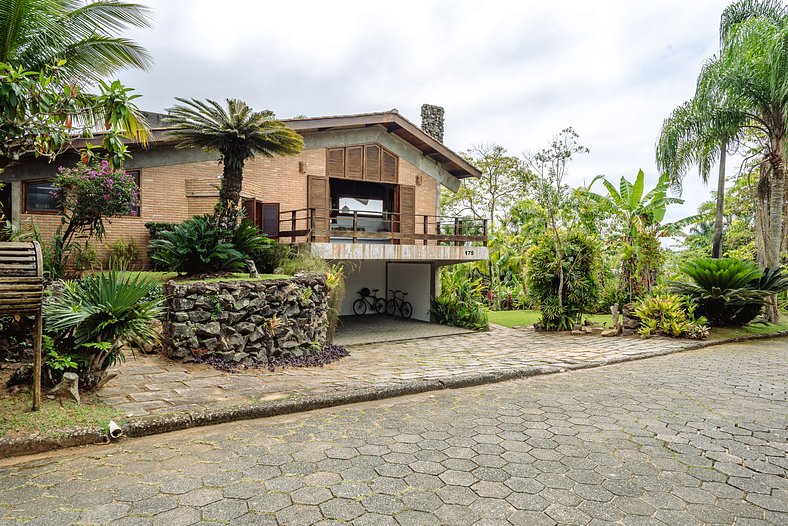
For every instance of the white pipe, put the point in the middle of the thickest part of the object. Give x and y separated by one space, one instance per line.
114 430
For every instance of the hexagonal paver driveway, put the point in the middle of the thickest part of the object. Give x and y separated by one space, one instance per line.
694 438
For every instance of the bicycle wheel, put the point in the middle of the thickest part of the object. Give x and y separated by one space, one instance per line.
391 307
380 305
360 307
406 310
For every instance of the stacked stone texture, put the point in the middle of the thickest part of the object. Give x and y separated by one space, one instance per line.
432 121
247 321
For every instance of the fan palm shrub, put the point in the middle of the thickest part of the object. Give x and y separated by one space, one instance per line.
729 291
95 317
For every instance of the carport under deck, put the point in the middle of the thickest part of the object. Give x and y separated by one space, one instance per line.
379 328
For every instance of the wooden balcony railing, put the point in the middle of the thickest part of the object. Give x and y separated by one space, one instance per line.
315 225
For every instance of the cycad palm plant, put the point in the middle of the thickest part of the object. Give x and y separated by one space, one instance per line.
34 34
726 291
237 132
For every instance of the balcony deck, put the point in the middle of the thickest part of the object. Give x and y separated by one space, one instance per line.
388 236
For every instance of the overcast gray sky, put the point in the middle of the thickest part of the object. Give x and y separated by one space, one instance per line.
513 73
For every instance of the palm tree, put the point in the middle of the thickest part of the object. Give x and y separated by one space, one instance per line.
745 88
237 133
696 134
34 34
700 130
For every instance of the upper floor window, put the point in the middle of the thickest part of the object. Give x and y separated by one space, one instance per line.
40 198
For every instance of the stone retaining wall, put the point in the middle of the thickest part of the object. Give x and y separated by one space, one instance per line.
247 321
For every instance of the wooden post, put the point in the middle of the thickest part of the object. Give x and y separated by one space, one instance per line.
39 329
355 225
426 228
456 231
312 224
292 226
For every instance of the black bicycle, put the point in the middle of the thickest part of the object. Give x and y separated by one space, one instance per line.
369 301
395 303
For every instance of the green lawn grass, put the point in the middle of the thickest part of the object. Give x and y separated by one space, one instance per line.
161 277
524 318
238 276
724 333
54 417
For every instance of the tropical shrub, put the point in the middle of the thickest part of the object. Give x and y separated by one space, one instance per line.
156 230
640 224
729 291
95 317
197 246
670 315
271 256
85 257
580 289
122 254
88 194
458 303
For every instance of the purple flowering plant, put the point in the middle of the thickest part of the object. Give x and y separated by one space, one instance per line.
89 193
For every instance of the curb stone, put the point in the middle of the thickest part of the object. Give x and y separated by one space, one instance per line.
177 421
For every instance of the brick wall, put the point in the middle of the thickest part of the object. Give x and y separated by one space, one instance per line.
164 194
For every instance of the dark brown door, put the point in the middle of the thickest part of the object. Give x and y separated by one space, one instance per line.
250 211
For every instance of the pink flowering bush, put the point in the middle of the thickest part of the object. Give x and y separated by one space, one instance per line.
88 194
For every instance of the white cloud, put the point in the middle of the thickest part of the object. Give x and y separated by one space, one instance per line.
508 72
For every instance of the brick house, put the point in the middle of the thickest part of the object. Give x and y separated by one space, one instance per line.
365 190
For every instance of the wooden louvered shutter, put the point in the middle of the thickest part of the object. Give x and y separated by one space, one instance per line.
372 162
388 170
336 162
407 211
317 199
270 219
354 162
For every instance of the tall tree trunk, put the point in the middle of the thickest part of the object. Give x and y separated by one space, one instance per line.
230 191
227 210
775 233
761 197
716 250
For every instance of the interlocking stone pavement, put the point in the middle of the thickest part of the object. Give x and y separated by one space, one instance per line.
687 439
153 385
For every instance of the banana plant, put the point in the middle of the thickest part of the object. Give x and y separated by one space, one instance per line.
629 203
641 214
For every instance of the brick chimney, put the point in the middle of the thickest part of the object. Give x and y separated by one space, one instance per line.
432 121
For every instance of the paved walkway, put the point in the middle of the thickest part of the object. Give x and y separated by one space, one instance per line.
153 385
683 440
379 328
